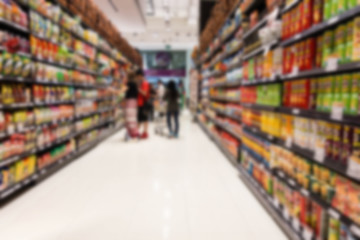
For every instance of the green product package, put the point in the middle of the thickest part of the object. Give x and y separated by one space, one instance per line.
251 70
340 43
320 94
342 6
354 95
334 7
337 89
328 93
349 41
328 46
351 4
327 9
345 92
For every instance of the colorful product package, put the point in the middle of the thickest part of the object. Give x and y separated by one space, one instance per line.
356 40
349 40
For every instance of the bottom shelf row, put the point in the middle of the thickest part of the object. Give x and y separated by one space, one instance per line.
300 213
31 168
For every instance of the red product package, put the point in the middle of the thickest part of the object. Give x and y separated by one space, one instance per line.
310 53
300 51
307 14
286 95
292 22
300 16
285 61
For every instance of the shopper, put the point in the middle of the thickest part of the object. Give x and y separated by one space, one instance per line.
131 109
143 104
151 102
182 94
172 99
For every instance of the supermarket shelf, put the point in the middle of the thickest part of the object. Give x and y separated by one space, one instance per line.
224 127
323 26
259 133
262 81
305 153
15 106
42 173
55 143
217 141
60 65
260 107
224 56
7 134
347 67
225 113
81 116
40 104
346 119
55 122
94 127
225 99
13 26
261 23
16 158
45 171
22 54
15 79
216 73
260 49
16 187
234 66
354 228
311 155
226 84
290 6
272 206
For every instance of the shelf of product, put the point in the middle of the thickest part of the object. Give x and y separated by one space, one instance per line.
57 76
316 183
231 110
266 95
298 110
54 114
48 158
12 15
16 173
226 142
233 127
50 135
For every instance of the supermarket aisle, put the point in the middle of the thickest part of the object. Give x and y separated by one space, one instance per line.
135 191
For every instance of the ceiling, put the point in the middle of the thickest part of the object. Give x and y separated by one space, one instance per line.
149 24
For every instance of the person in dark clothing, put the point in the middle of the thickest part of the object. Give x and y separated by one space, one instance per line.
131 109
172 99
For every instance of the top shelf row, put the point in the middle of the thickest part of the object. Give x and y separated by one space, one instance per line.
297 24
55 15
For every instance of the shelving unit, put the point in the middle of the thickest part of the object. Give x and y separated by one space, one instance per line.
108 113
265 175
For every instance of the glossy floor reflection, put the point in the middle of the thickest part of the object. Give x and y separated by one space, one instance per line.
158 189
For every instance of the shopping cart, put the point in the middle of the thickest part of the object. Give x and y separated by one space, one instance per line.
160 117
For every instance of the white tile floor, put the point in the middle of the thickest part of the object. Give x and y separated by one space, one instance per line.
159 189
